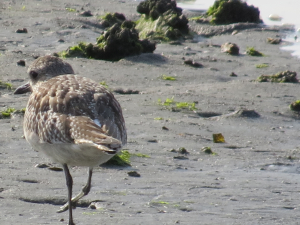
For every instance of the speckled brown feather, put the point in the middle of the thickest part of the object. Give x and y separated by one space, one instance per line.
64 109
70 109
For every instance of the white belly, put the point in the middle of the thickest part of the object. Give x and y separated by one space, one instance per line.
68 153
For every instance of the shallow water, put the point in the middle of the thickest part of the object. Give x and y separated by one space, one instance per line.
287 10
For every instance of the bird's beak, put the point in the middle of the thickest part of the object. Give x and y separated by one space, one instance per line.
23 89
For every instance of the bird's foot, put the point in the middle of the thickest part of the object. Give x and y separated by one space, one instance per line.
65 207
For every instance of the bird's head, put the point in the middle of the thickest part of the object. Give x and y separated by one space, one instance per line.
42 69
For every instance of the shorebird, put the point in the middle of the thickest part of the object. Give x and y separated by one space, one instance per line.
72 119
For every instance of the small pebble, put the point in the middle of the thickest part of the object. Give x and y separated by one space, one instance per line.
86 13
207 150
165 128
192 63
133 174
24 30
180 157
41 165
54 168
21 62
126 92
92 206
183 151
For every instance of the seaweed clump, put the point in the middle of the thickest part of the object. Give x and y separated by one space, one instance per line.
253 52
281 77
161 20
6 113
117 42
232 11
295 106
110 19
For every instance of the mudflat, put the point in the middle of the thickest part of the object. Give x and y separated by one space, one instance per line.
252 178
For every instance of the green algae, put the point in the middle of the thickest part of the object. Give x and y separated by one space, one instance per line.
173 105
161 20
117 42
232 11
253 52
263 65
281 77
5 85
295 106
7 112
109 19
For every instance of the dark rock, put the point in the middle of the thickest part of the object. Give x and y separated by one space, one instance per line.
248 113
126 92
24 30
192 63
295 106
133 174
165 128
86 13
148 46
180 157
42 165
183 151
21 62
56 169
120 16
230 48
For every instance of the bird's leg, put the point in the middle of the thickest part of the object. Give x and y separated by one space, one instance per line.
85 190
69 181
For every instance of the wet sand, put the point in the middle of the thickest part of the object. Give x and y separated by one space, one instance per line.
253 177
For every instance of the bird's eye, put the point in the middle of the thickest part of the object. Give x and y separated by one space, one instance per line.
33 74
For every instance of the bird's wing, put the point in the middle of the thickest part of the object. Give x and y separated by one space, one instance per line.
60 128
109 115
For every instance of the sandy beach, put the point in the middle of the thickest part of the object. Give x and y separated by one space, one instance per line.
251 179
